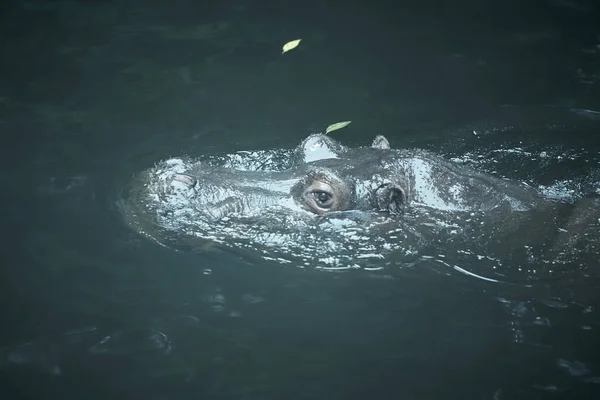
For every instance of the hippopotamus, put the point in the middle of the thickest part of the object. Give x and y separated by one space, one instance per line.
326 205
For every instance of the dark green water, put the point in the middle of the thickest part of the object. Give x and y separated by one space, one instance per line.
92 92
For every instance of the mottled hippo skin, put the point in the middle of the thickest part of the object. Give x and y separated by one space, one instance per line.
327 205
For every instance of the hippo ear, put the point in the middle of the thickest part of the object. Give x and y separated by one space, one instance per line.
380 142
391 198
319 147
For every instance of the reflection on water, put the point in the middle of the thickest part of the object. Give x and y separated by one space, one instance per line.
93 92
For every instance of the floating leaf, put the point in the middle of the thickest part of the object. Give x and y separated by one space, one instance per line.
290 45
336 126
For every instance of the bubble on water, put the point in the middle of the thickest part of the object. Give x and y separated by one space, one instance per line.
132 341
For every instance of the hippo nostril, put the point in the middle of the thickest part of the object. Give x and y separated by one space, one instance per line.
390 198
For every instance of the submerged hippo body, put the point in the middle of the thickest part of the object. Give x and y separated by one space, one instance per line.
327 205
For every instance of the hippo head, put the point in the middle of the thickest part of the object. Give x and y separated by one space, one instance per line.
335 178
320 176
320 202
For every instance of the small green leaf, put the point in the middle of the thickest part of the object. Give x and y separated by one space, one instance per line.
336 126
290 45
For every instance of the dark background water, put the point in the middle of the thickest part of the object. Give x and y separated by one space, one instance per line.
93 91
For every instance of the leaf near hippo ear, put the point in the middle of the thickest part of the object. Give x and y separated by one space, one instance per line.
291 45
336 126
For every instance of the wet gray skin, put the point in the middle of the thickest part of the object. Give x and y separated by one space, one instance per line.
325 205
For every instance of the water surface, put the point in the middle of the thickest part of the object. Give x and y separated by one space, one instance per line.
93 92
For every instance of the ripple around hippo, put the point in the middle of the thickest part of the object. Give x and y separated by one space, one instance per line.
324 205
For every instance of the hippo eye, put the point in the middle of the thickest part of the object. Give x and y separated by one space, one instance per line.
319 197
323 199
323 191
